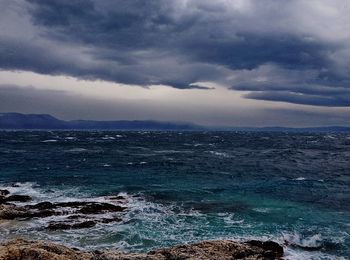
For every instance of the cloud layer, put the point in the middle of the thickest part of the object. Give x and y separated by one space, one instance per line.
290 51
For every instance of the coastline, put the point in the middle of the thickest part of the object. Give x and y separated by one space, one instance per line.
86 214
206 250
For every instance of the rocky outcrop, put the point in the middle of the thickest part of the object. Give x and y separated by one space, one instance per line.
220 249
78 214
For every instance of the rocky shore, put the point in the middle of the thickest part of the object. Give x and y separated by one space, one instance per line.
75 214
221 249
87 214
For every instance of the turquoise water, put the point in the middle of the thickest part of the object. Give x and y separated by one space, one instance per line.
189 186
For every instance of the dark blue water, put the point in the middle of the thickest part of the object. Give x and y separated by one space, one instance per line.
190 186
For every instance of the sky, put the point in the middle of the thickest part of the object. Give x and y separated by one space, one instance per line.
220 63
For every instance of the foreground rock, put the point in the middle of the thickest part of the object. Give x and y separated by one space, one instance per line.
78 214
221 249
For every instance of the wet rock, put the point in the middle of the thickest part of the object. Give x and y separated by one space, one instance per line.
110 220
270 247
65 225
18 198
99 208
42 205
10 211
76 217
4 193
119 197
42 214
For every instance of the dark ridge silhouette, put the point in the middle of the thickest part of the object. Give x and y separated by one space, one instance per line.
18 121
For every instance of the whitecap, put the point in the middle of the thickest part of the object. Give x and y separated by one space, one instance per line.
108 137
76 150
70 138
49 141
300 179
220 154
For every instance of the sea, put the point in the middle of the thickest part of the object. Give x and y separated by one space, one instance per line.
182 187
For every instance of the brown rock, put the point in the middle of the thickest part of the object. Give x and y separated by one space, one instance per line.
26 250
207 250
220 249
10 211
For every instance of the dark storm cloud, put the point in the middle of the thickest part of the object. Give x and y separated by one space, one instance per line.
67 105
179 43
297 98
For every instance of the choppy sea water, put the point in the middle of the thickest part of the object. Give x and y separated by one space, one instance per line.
188 186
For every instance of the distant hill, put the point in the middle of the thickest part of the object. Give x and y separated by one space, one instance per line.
17 121
38 121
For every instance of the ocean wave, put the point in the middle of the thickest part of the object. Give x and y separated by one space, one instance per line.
147 224
50 141
220 154
300 179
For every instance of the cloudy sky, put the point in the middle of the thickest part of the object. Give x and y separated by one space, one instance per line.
222 62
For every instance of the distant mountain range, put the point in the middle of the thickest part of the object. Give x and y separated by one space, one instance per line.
18 121
48 122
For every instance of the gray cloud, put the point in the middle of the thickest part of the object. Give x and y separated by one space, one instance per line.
180 43
66 105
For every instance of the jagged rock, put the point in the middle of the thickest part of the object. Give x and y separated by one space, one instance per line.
98 208
26 250
42 205
64 225
10 211
78 225
18 198
268 246
220 249
110 220
119 197
207 250
4 192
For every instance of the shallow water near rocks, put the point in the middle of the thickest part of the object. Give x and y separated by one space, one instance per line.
187 186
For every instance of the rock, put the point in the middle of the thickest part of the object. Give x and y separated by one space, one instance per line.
10 211
98 208
21 249
18 198
42 205
110 220
268 246
4 192
220 249
64 225
119 197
